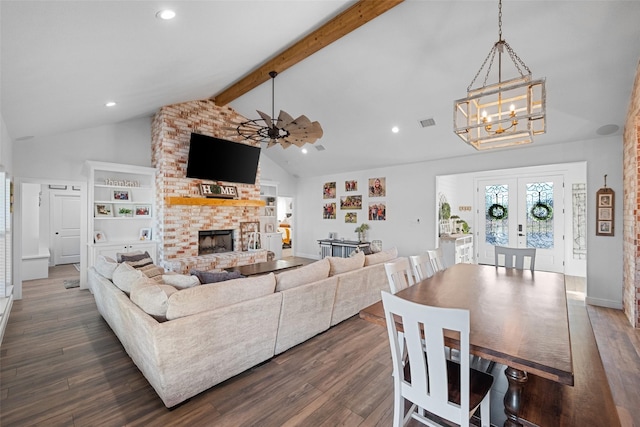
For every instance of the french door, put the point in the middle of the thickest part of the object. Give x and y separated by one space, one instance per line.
522 212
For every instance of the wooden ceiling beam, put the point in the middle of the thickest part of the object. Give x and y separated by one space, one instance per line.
355 16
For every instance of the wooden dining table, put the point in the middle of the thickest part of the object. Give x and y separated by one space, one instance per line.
518 318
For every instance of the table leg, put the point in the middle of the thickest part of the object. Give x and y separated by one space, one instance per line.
517 380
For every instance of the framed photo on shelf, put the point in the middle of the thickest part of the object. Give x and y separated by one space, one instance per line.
145 234
605 212
142 210
269 228
123 210
120 195
99 237
103 209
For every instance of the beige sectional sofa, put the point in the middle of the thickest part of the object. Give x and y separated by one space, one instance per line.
185 341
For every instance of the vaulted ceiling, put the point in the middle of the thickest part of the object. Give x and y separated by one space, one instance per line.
62 60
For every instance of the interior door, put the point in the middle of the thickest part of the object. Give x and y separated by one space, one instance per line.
66 228
523 212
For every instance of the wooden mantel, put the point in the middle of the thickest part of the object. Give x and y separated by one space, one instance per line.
203 201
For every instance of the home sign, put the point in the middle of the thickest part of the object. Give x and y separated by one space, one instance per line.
219 191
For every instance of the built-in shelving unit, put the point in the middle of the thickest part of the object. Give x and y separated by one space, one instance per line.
271 239
121 209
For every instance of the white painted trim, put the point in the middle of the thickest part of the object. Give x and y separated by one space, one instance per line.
603 303
4 317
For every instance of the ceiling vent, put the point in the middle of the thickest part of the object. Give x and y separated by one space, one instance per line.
427 122
320 147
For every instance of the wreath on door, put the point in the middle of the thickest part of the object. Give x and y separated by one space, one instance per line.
497 211
541 212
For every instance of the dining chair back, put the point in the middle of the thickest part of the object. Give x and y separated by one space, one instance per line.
437 260
421 265
515 257
399 274
429 381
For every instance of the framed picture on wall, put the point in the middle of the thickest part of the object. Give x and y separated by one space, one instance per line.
329 190
605 212
377 187
351 185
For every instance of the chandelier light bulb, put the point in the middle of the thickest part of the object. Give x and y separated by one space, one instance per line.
166 14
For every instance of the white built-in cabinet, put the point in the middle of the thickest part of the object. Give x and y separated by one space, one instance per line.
271 240
457 249
121 209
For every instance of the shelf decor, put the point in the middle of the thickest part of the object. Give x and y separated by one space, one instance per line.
103 209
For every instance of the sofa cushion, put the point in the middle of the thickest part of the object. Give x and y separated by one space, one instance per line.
215 276
124 276
180 281
204 298
152 297
105 266
342 265
380 257
301 276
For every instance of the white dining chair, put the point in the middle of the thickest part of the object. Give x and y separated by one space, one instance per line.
437 260
515 257
399 274
433 383
421 265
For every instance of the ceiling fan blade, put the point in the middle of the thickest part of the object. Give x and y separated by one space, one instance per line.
285 143
266 118
284 119
272 142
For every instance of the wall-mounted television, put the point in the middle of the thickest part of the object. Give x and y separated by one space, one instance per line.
221 160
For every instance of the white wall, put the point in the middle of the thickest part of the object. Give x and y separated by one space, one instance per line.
270 171
411 210
62 156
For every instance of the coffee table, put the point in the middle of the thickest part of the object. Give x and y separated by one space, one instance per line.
271 266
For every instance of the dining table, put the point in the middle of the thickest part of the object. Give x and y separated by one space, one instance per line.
518 318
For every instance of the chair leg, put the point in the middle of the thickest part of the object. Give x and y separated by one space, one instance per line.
485 411
398 408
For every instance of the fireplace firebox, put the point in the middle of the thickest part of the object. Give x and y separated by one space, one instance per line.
215 241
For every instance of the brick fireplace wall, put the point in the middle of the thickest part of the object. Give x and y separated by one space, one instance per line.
178 225
631 207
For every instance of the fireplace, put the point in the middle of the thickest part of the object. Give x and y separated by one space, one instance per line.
215 241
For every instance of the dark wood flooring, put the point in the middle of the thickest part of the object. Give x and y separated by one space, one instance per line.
60 365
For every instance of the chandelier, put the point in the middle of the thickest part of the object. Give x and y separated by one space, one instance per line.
505 113
285 130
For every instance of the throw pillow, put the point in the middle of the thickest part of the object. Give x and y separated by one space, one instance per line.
206 298
124 276
380 257
342 265
105 266
215 276
180 281
151 297
137 260
301 276
119 255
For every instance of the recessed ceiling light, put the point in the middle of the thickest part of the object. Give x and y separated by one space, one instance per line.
110 104
304 151
395 129
166 14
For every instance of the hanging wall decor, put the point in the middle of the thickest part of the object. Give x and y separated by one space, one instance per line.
605 211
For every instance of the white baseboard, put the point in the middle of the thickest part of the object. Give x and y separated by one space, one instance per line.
603 303
5 310
312 256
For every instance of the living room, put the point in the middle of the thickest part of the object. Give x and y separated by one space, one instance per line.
412 193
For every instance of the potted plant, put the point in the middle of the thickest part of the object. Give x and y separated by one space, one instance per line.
125 211
362 230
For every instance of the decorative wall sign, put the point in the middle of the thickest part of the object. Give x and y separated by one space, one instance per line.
605 211
219 191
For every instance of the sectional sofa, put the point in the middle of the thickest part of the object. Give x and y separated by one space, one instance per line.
185 341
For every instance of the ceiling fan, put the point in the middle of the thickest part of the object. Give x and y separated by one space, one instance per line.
285 130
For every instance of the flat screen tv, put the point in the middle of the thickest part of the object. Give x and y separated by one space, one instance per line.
221 160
